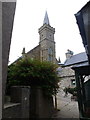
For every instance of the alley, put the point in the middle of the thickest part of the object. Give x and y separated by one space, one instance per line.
67 108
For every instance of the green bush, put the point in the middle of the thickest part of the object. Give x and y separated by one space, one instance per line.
29 72
72 91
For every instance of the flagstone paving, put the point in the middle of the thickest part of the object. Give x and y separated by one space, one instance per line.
68 108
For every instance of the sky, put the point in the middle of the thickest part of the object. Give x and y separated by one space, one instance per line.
29 18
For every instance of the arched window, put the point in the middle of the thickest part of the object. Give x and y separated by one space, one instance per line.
50 51
50 54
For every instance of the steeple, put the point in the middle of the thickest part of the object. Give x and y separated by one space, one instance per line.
46 19
47 43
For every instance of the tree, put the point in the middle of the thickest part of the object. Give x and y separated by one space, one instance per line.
29 72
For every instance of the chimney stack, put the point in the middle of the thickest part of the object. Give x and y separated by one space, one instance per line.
69 54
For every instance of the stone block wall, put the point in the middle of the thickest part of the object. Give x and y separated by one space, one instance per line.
34 53
7 11
21 94
40 105
12 111
20 99
66 74
28 102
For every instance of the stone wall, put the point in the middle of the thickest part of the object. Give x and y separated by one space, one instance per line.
41 106
12 110
66 82
7 11
66 74
28 102
46 34
21 95
34 53
19 105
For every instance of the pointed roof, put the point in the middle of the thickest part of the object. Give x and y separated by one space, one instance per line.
46 19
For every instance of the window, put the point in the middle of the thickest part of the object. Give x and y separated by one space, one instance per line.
49 58
50 54
73 82
50 51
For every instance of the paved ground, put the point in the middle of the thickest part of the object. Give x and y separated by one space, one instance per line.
68 108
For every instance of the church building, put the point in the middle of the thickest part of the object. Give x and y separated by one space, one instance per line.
45 51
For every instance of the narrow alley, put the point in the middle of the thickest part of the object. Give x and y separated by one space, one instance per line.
66 107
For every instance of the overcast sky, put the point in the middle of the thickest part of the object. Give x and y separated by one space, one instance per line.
29 17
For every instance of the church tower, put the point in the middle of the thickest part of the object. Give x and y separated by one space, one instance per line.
47 43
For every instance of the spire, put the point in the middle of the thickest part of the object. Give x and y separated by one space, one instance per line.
23 51
46 19
59 60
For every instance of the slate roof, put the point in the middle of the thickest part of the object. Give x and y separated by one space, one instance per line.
81 65
77 59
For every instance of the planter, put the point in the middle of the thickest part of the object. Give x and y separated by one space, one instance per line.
41 106
21 94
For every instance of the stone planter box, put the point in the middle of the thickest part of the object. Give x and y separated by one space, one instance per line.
33 103
21 94
41 106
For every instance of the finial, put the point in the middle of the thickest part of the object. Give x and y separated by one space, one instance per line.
23 51
59 60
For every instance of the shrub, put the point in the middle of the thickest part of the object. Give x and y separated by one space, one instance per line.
29 72
72 91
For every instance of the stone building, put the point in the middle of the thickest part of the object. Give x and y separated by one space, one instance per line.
34 104
65 72
81 59
45 51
